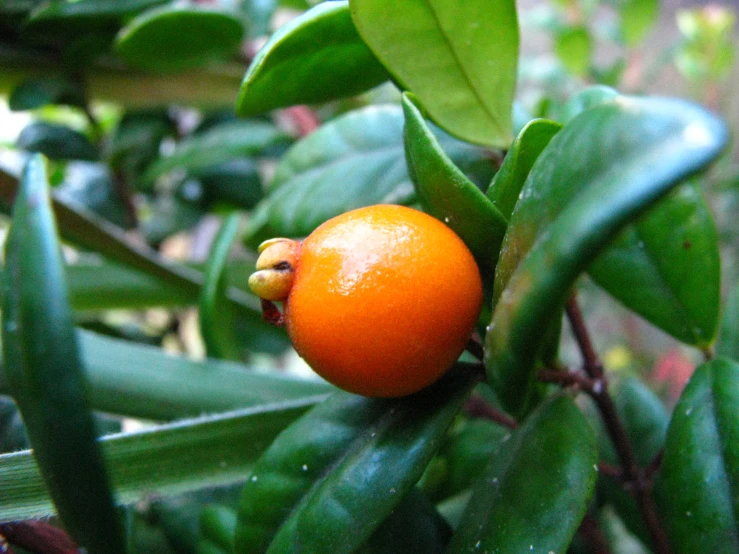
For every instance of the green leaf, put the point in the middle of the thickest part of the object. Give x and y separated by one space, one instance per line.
697 490
236 183
651 267
586 98
44 371
36 93
216 315
217 145
145 382
218 525
316 57
92 186
56 142
728 344
345 465
414 526
637 19
459 58
603 170
546 471
574 47
155 41
355 160
165 460
510 178
446 193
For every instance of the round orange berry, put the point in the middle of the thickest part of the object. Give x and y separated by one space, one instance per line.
382 300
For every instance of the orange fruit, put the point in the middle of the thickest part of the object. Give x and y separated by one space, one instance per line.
380 301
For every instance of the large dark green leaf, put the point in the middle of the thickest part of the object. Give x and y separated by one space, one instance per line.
236 182
509 180
316 57
56 142
345 465
603 170
666 267
92 186
155 40
459 58
355 160
216 314
217 145
697 489
446 193
44 371
169 459
535 491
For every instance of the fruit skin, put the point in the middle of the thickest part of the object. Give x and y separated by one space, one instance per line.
383 301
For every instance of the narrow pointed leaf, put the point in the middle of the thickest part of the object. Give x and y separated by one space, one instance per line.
651 267
459 58
145 382
216 316
56 142
44 371
602 171
446 193
547 471
345 465
170 459
154 40
510 178
352 161
697 490
217 145
316 57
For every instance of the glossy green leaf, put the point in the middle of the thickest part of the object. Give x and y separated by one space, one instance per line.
44 371
603 170
36 93
637 19
446 193
218 145
508 182
355 160
155 41
645 419
316 57
56 142
345 465
697 490
651 267
459 58
165 460
71 18
134 143
92 186
574 47
145 382
216 315
546 471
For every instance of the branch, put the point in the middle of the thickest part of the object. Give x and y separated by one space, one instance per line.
38 536
640 484
478 407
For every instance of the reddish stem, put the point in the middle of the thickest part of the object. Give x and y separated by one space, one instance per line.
478 407
633 476
38 536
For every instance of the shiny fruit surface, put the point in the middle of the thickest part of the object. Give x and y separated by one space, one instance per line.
383 300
